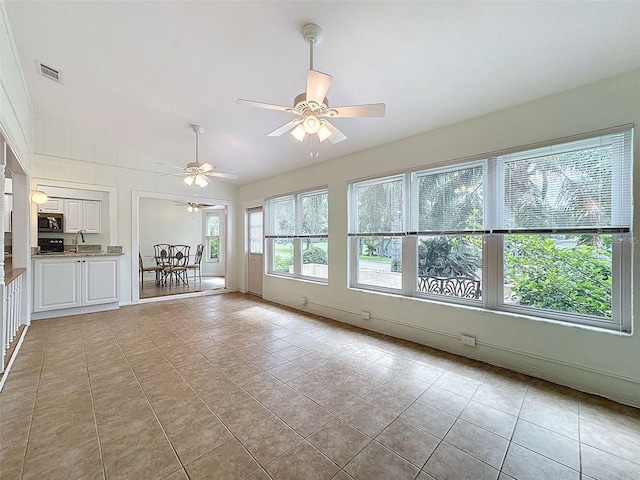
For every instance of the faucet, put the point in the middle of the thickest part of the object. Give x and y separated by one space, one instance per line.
81 233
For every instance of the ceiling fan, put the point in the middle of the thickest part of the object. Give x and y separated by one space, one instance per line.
311 108
198 173
193 206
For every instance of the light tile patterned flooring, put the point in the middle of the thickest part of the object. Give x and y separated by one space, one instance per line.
232 387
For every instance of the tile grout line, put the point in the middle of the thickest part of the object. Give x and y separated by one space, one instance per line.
33 411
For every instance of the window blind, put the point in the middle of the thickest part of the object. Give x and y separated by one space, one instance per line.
379 207
579 186
298 215
448 200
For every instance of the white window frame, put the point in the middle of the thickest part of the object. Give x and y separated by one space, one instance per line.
297 236
492 251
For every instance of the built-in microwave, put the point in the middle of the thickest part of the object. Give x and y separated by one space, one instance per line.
50 222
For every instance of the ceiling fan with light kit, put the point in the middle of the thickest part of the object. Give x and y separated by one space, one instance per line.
193 207
311 108
197 173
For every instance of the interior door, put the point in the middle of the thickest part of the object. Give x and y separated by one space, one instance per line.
255 220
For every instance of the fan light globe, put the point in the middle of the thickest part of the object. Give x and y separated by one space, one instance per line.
195 209
39 197
324 133
189 209
298 133
311 124
201 181
188 180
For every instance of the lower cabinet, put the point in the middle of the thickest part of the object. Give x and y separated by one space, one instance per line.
60 283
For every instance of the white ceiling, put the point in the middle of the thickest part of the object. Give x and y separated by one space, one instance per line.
140 72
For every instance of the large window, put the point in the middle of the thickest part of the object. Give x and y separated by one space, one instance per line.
543 232
297 235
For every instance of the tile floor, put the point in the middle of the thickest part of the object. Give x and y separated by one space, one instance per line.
231 387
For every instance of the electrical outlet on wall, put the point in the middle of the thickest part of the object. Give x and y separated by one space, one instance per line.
468 340
365 315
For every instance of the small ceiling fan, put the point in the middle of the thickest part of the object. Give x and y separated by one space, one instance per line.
311 108
198 173
193 206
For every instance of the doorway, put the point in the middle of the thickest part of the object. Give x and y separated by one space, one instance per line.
255 252
173 220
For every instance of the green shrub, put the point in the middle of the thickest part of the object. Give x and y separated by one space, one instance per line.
282 263
315 255
544 274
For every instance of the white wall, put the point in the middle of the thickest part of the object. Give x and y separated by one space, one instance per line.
161 221
16 120
594 361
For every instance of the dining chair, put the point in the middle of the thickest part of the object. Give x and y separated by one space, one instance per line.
195 266
162 255
179 256
157 269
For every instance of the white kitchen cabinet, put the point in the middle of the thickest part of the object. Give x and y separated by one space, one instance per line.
8 206
53 205
63 283
82 215
100 280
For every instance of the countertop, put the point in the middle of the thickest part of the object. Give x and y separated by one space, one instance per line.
73 254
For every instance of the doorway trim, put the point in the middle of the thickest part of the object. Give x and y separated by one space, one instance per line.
136 195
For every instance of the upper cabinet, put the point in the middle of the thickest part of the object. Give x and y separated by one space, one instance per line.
81 215
53 205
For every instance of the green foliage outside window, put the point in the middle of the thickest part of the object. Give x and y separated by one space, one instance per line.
214 248
543 273
315 255
449 257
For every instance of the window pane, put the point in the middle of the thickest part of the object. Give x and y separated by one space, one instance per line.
380 206
315 213
255 232
565 273
450 200
380 261
450 265
282 255
283 216
213 225
214 248
572 189
315 258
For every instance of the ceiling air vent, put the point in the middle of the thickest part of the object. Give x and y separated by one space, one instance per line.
48 72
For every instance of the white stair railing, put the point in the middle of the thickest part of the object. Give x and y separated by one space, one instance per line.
11 315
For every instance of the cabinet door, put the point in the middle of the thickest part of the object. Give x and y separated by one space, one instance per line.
72 215
91 216
53 205
101 280
8 206
56 284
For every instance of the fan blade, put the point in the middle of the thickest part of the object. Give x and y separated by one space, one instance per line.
318 84
270 106
336 135
205 167
232 176
284 128
359 111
